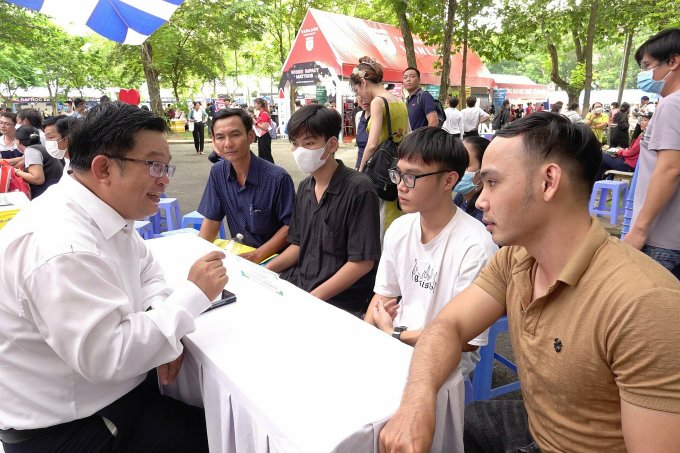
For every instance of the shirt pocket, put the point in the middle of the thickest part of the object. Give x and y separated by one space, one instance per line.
334 239
261 221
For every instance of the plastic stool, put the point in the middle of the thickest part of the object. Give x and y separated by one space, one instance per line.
628 211
168 209
179 231
484 370
144 228
619 191
195 220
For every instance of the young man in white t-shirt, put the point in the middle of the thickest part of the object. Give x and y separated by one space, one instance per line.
434 251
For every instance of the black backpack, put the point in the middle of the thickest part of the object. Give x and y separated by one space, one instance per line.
384 158
441 115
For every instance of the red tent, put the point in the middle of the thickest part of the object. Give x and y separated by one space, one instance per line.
333 41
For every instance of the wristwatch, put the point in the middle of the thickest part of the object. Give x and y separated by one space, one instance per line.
397 332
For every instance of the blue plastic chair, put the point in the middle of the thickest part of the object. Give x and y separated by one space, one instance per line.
619 191
484 370
628 211
144 228
195 220
168 216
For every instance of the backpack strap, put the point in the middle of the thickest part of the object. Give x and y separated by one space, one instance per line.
389 119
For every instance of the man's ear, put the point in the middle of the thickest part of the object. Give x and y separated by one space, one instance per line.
331 147
551 181
251 136
451 180
101 169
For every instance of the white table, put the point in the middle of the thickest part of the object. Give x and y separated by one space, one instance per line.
281 371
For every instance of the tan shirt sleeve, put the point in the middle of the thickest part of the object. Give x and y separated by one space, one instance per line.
643 349
494 278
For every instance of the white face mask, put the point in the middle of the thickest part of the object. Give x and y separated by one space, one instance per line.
52 147
309 160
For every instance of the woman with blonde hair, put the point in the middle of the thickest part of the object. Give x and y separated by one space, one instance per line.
366 81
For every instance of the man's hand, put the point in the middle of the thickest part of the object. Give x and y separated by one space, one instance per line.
635 238
169 371
253 256
384 313
209 274
408 431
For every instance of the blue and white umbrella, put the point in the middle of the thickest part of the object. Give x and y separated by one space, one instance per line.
124 21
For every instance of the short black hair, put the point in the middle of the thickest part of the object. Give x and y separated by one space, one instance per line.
109 129
229 112
661 46
77 102
453 102
434 145
546 135
28 135
573 106
104 99
11 115
315 120
33 116
411 68
478 145
471 101
63 123
644 98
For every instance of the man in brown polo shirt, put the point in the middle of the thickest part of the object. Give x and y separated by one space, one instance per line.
594 324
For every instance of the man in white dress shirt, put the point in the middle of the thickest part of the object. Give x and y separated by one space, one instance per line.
85 311
473 116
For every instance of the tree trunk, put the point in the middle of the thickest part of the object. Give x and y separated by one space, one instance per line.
446 51
400 11
624 65
588 54
151 75
463 69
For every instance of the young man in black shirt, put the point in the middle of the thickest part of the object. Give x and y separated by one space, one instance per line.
334 234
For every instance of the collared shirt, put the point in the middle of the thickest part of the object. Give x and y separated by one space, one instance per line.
454 121
472 116
607 330
75 282
419 104
344 226
259 208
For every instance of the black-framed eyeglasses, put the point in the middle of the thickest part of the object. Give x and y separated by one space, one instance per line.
409 180
156 169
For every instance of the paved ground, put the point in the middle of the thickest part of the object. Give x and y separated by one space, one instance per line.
192 173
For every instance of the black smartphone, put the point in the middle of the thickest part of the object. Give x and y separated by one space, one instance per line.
227 298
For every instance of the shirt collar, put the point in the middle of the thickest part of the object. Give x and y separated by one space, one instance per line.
579 261
104 216
338 178
415 93
254 170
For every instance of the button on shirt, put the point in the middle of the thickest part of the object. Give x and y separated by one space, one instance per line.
613 315
75 285
344 226
259 208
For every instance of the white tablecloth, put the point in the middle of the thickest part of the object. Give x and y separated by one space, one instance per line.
281 371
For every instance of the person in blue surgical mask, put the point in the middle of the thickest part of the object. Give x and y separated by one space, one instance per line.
468 188
656 207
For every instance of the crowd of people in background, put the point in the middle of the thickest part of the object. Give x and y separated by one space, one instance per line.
431 245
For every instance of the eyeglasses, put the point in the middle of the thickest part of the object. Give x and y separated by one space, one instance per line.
156 169
409 180
645 66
